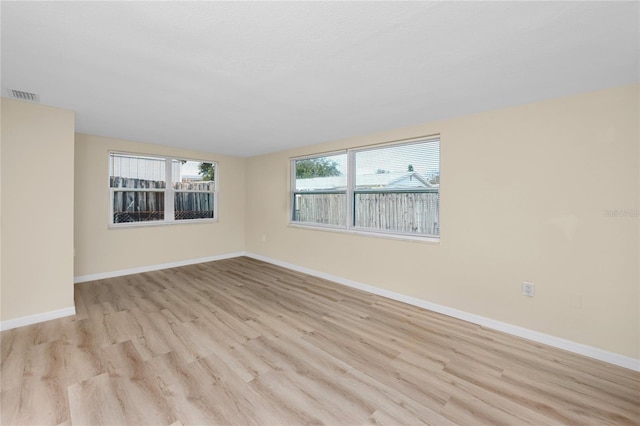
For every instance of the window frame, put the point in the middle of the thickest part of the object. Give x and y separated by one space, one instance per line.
168 190
350 192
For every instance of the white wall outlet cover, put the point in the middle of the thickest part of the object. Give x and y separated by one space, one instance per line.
528 289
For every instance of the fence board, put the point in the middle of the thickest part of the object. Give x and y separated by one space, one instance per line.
402 212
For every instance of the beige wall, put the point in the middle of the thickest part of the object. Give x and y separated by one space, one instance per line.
525 192
37 209
100 249
1 213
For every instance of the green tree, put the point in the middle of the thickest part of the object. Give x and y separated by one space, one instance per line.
316 167
206 170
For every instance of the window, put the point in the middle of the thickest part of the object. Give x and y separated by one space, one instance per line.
389 189
150 189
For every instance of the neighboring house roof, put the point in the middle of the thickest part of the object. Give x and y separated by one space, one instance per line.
192 178
378 180
410 180
328 183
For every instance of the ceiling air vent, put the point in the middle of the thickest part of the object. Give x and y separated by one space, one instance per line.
24 96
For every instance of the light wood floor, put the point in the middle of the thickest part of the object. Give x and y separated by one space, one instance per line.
240 342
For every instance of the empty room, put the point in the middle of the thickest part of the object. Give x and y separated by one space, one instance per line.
340 213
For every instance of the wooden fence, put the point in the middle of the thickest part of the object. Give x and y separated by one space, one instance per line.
402 212
324 208
141 206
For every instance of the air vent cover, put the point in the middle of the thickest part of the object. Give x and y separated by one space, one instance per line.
24 96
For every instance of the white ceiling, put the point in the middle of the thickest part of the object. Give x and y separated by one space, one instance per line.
246 78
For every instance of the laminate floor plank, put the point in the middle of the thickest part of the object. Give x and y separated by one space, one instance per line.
390 404
95 402
15 344
242 360
533 400
43 391
302 407
242 342
190 395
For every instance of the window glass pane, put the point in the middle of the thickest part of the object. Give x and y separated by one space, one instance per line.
397 188
193 205
320 190
137 206
321 173
415 165
194 184
399 212
133 171
137 172
193 175
322 208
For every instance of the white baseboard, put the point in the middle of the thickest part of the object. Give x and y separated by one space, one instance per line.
547 339
32 319
149 268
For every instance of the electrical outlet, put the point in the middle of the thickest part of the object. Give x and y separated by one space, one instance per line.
528 289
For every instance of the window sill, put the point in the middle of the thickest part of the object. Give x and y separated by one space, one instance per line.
388 236
127 225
